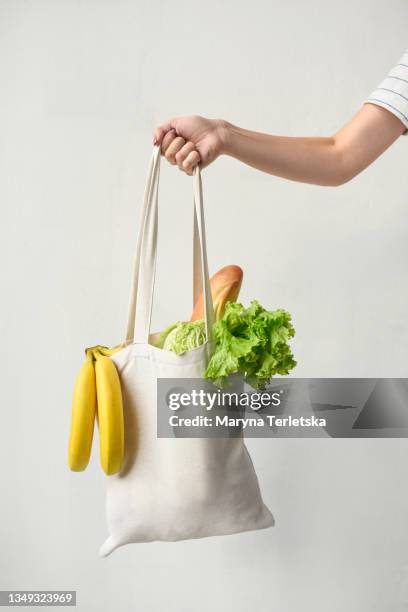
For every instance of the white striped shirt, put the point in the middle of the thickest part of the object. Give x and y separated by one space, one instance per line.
392 93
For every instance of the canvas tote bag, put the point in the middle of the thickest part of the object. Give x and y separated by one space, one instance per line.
173 488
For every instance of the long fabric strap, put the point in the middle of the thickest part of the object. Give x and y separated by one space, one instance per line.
130 331
144 265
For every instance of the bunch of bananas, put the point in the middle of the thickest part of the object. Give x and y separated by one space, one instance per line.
97 394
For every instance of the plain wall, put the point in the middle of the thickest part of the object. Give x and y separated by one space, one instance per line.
82 84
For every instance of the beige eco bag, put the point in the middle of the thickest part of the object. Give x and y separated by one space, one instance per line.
173 488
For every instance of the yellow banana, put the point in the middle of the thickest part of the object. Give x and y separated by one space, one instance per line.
110 413
82 416
106 350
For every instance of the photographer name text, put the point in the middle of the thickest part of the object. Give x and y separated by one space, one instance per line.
269 420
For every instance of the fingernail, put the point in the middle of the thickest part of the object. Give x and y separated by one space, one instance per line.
155 140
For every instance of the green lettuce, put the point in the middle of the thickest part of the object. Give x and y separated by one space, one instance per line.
182 337
252 341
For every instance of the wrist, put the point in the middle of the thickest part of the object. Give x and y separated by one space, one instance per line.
224 131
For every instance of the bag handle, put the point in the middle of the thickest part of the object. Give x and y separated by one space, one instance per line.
144 264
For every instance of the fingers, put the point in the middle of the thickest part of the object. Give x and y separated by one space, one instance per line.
175 148
171 146
183 153
167 140
160 132
177 151
191 161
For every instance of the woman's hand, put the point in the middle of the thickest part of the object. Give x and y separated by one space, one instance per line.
188 141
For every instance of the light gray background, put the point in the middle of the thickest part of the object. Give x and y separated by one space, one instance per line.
82 85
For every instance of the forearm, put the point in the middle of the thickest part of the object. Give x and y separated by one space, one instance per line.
309 160
322 161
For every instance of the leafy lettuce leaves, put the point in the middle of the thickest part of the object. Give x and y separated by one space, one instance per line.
252 341
182 337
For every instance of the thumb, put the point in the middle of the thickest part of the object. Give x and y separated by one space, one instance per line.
161 131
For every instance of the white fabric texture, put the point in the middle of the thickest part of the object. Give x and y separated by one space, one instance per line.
173 488
392 92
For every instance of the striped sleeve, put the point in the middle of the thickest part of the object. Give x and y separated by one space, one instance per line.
392 93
